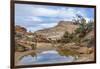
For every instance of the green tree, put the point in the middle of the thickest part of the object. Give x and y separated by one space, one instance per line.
83 27
67 37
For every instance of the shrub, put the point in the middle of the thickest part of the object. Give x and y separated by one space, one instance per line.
28 38
33 46
67 37
84 27
18 35
91 42
19 48
77 40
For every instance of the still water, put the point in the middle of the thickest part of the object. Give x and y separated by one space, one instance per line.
46 57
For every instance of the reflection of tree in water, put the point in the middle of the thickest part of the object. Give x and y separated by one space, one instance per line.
33 54
66 52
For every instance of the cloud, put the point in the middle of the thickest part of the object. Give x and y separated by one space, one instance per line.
45 12
40 26
35 17
61 12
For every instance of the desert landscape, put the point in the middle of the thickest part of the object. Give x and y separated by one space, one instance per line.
48 34
68 41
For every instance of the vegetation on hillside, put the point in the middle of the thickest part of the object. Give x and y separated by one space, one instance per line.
78 36
79 33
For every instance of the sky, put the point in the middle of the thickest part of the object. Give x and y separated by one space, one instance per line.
36 17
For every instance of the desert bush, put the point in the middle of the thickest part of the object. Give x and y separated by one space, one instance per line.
28 38
33 46
67 37
18 35
72 35
82 30
77 40
91 42
90 26
19 48
84 27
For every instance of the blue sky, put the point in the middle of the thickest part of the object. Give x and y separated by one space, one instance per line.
36 17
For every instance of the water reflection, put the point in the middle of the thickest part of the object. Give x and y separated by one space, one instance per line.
46 57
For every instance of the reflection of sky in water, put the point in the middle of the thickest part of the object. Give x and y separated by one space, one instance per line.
45 57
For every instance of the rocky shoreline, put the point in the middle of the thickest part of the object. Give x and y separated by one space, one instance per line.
83 54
